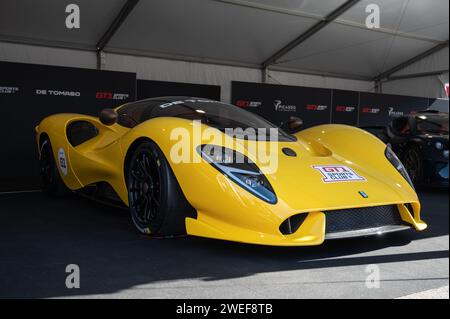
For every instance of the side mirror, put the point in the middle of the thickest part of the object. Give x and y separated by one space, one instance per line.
108 117
292 125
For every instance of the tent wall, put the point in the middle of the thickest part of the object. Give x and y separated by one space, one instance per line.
192 72
431 86
22 53
181 71
424 86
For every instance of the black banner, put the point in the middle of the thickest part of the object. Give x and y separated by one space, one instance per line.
148 89
316 106
279 102
379 109
345 107
28 93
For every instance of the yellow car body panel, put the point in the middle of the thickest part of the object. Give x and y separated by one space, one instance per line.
224 209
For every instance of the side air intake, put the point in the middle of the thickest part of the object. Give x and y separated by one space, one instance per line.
292 224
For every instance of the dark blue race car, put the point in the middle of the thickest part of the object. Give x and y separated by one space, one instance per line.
421 142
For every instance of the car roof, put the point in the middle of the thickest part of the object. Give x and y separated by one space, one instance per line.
427 113
173 98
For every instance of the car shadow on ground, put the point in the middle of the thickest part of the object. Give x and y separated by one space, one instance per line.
39 236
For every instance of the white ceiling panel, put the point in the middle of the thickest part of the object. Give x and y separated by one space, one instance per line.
240 32
207 29
346 50
44 21
319 8
428 18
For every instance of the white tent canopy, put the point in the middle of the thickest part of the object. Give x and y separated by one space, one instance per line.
319 37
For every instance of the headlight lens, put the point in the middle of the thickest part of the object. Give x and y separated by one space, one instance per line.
240 169
395 161
439 146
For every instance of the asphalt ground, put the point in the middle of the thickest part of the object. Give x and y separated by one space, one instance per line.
40 236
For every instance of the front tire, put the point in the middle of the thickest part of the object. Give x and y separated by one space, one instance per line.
413 161
157 204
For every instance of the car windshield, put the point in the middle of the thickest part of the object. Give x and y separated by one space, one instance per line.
433 123
221 116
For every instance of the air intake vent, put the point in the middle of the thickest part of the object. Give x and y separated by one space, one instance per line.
362 218
410 208
292 224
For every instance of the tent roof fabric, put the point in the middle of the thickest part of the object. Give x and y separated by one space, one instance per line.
241 32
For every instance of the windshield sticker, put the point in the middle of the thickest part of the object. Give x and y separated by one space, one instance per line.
337 173
166 105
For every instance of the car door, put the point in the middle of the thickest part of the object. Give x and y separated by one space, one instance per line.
94 149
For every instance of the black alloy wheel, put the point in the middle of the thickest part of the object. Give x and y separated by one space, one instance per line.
157 204
144 188
414 164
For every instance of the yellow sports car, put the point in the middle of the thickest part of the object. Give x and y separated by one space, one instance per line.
205 168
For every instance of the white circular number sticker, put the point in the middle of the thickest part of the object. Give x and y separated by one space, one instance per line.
62 161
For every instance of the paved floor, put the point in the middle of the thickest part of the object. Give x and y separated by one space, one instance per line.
39 237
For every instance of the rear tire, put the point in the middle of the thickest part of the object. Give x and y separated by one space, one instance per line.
157 204
51 180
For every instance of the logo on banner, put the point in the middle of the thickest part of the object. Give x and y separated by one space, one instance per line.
315 107
111 96
393 113
62 161
370 110
8 89
337 173
343 108
280 107
58 93
244 103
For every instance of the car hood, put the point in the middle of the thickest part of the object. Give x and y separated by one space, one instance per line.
300 184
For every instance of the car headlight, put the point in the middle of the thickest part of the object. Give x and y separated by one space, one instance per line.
445 153
439 146
240 169
395 161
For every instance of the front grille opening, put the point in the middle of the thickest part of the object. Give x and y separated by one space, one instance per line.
292 224
362 218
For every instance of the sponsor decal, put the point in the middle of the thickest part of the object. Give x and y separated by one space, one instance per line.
111 96
315 107
370 110
343 108
337 173
58 93
244 103
8 89
280 107
393 113
62 161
